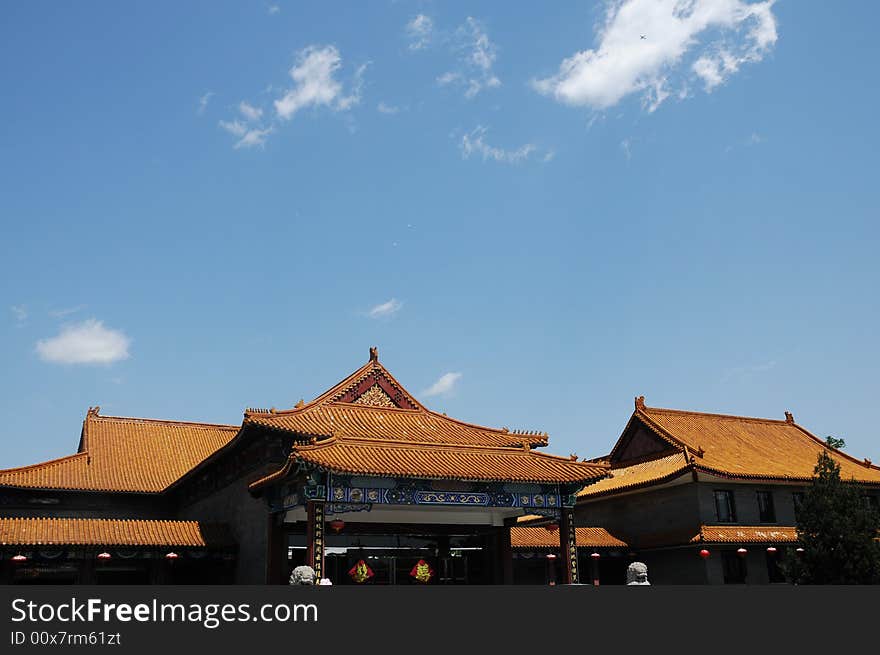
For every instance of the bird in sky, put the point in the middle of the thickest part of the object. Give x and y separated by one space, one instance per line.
644 36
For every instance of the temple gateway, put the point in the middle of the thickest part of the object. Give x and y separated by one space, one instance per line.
367 486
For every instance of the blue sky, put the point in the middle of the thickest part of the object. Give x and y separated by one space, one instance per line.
533 212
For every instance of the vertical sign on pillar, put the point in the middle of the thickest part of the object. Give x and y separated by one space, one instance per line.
315 537
568 546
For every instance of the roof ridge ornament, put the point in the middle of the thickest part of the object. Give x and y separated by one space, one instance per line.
640 402
299 403
374 354
789 417
93 411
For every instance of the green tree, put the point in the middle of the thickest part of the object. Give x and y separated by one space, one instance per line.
836 528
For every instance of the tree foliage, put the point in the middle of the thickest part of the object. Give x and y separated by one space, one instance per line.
837 530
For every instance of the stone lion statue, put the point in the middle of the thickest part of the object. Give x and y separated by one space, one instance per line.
303 575
637 574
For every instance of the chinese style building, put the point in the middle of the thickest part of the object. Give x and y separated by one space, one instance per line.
368 486
363 483
710 498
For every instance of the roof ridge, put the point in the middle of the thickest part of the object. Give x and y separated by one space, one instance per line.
483 427
163 421
757 419
861 462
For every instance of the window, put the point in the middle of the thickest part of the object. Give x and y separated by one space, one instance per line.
766 511
873 502
725 510
734 567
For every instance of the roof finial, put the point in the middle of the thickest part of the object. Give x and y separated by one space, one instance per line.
789 418
299 404
374 354
640 402
93 411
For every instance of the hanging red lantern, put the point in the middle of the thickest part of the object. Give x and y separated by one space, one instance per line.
595 556
551 555
361 572
18 559
799 550
104 556
771 550
704 553
741 552
422 572
336 525
551 527
171 556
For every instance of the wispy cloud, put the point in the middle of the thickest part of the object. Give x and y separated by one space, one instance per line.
88 342
626 146
19 312
66 311
250 112
744 371
249 129
315 83
474 144
203 102
384 108
755 139
444 385
650 46
385 309
419 31
273 9
477 54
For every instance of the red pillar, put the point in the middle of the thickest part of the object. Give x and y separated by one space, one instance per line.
276 550
568 547
315 537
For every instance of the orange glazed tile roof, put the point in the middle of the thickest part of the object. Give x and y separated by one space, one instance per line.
625 478
399 418
586 537
750 447
736 534
361 456
125 454
111 532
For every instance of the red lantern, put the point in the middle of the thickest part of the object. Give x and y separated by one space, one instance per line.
704 553
171 556
771 550
741 552
595 556
799 550
336 525
551 527
104 556
18 559
551 556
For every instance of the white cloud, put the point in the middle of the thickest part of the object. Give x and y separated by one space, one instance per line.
754 139
419 31
203 102
250 112
315 83
88 342
443 386
716 36
477 55
248 136
385 309
273 9
19 312
387 109
474 144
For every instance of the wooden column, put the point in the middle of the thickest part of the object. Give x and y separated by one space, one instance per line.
568 547
315 537
276 550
